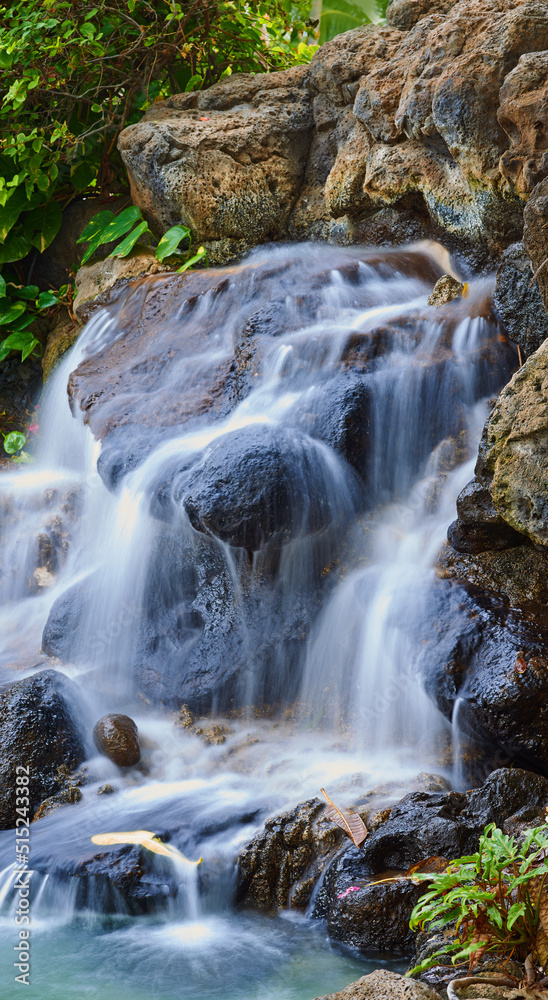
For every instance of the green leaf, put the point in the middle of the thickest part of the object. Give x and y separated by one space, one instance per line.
115 228
170 241
194 83
46 299
127 245
96 225
121 224
201 255
23 291
15 248
30 348
2 287
11 211
42 225
24 458
338 16
12 313
13 442
516 911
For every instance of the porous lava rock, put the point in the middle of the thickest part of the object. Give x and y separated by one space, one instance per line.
515 457
434 122
232 157
117 737
39 733
384 985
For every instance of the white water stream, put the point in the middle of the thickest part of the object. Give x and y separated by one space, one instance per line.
362 718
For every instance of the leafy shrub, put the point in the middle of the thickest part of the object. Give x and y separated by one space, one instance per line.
494 899
105 227
72 75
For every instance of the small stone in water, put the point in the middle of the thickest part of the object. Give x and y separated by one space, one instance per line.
106 789
445 290
117 737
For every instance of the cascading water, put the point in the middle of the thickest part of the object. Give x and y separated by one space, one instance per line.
263 539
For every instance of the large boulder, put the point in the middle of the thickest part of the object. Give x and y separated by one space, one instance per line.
39 735
228 162
389 134
486 661
514 460
260 484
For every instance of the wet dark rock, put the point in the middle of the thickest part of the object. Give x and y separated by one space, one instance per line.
339 413
259 484
117 737
281 865
506 793
479 527
376 918
38 732
65 620
518 305
124 880
519 574
494 658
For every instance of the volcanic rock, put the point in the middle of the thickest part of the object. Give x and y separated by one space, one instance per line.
38 734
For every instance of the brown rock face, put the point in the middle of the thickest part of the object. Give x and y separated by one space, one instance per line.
435 123
523 114
227 162
117 737
535 234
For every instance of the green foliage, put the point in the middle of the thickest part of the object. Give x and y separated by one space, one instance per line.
72 75
342 15
19 307
494 899
14 442
105 227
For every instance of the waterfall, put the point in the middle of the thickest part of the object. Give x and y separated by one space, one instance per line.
257 546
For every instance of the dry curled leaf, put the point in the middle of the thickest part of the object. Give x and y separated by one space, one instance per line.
349 821
432 864
146 839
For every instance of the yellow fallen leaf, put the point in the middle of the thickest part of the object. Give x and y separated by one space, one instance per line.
146 839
